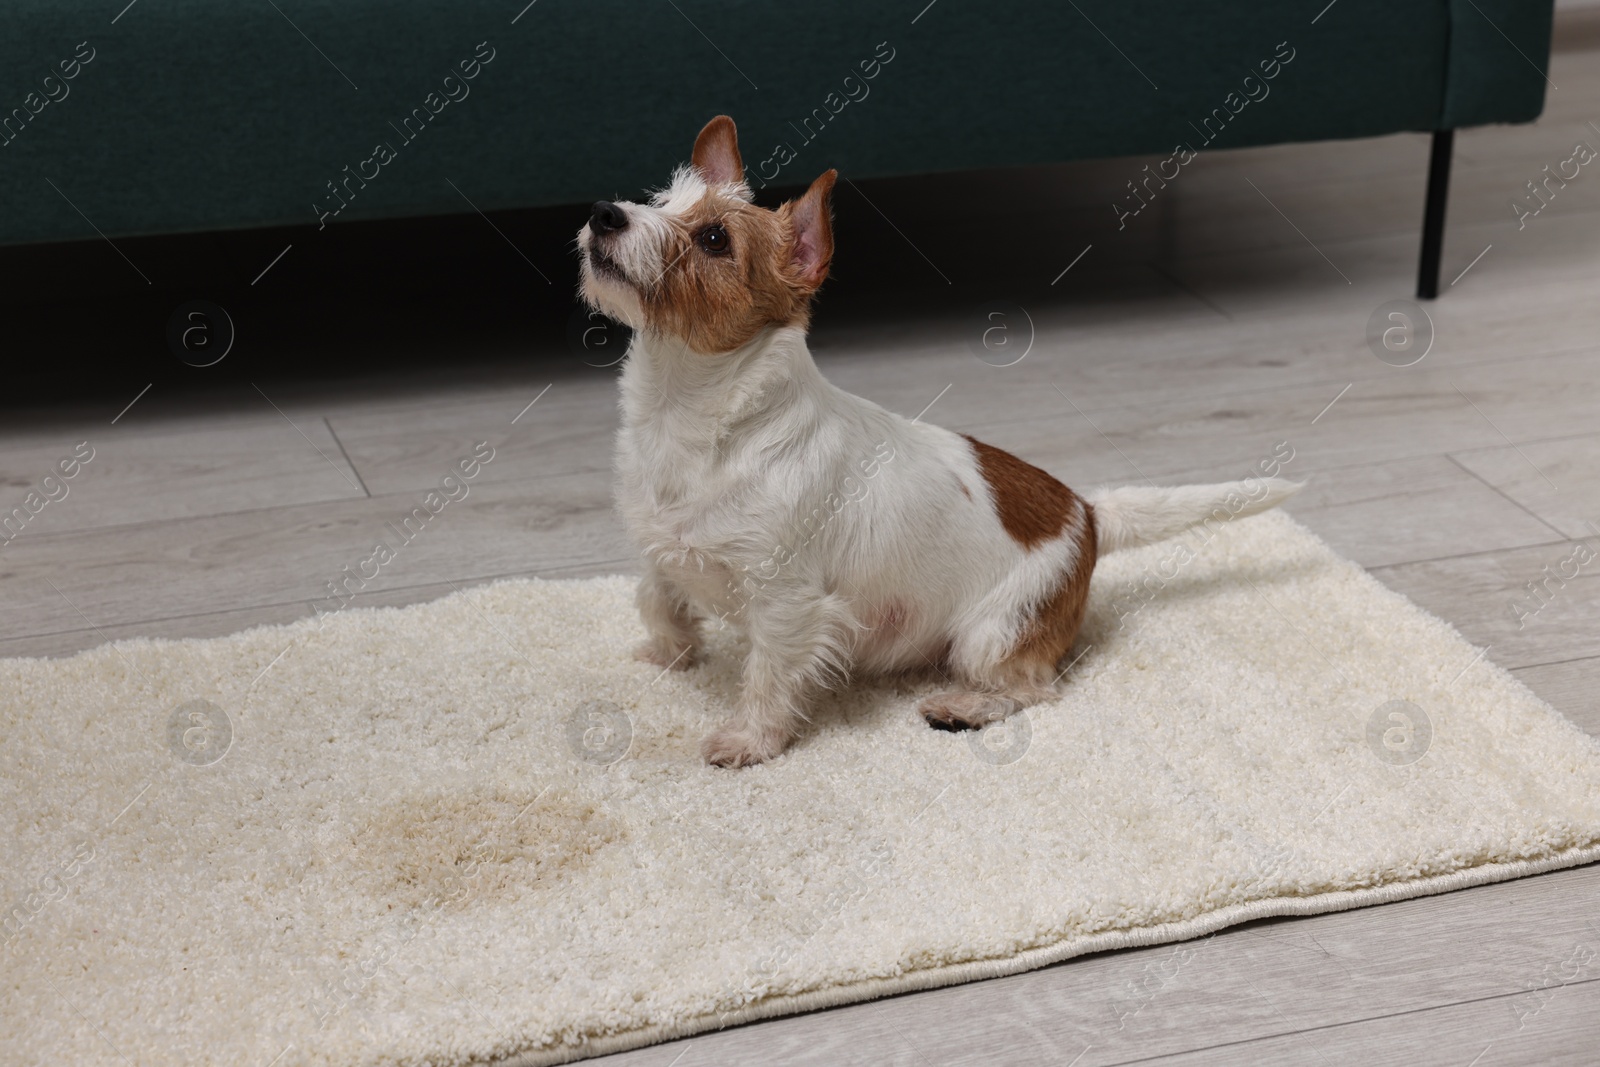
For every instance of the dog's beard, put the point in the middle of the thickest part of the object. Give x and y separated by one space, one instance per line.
602 265
607 289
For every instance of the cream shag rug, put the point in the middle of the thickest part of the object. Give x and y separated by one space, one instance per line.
477 831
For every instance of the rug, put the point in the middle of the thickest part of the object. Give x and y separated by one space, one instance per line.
476 831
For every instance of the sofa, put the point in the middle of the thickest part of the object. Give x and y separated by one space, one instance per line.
180 116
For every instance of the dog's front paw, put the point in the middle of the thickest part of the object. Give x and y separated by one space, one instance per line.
737 744
664 656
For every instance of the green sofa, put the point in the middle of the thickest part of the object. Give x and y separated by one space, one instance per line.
173 116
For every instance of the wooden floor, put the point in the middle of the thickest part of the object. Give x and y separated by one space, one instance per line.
1229 317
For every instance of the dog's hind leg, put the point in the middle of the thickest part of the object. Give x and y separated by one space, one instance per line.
1025 678
1028 672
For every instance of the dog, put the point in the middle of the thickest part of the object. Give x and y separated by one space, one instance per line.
844 539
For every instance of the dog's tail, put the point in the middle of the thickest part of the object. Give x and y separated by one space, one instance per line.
1137 515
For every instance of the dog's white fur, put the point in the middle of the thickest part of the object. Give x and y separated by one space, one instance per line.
843 538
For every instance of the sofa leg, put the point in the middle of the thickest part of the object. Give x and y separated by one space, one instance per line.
1433 214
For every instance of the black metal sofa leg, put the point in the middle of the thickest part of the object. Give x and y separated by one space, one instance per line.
1433 214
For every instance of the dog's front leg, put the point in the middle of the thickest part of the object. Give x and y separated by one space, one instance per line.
798 639
674 633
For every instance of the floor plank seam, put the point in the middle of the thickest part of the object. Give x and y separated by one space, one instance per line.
1553 663
1503 494
1467 555
117 527
348 461
1344 1023
1322 383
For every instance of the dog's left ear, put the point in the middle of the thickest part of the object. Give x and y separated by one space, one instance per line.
716 153
811 248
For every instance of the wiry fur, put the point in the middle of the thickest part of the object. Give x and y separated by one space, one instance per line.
844 539
1135 515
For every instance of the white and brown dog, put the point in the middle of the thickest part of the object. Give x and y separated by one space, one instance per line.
843 538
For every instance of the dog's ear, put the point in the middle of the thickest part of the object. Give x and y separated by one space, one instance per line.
811 248
716 153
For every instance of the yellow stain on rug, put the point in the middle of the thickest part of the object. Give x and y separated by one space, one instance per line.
454 850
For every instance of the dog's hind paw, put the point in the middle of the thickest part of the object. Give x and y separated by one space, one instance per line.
967 711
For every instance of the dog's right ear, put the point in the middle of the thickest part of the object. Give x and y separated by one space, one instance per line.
716 153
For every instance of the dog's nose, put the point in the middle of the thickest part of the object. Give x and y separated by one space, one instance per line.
607 218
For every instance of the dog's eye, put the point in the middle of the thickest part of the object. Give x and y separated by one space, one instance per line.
713 239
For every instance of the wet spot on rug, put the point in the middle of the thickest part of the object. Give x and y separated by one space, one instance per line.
454 850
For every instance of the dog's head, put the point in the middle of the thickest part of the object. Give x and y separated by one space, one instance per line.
700 261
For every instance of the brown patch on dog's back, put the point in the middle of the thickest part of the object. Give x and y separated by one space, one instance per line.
1049 635
1033 506
449 850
